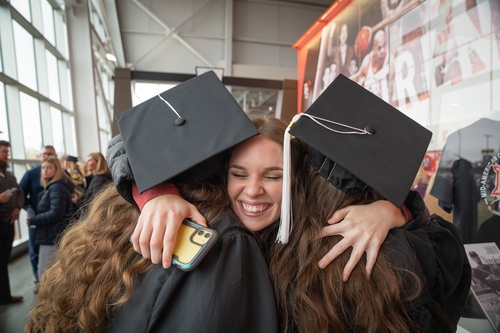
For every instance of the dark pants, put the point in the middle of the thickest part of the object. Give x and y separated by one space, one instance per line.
33 252
6 240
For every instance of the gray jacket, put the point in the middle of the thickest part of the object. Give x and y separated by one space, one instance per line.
121 172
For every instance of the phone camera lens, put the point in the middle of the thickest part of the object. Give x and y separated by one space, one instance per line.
200 232
207 235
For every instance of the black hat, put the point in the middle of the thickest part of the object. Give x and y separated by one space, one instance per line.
72 158
171 134
357 141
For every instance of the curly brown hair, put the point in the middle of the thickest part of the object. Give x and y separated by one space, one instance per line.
94 270
97 265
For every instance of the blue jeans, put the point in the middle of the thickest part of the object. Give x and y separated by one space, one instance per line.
33 252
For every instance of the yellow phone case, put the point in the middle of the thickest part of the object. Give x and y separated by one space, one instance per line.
192 244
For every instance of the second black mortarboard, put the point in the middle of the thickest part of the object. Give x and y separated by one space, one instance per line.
183 132
356 141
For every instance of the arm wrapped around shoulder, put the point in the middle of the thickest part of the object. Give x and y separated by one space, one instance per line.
121 172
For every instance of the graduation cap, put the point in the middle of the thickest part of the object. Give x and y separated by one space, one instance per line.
183 133
72 158
357 141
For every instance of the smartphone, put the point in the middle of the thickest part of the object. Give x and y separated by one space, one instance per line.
12 190
192 245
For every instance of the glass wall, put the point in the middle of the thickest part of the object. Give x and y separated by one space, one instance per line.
255 101
33 64
36 102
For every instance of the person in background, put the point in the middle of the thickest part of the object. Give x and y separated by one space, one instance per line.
11 202
97 174
353 67
53 211
341 54
30 183
70 165
487 275
373 71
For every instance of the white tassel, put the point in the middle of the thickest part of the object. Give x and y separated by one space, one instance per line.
286 202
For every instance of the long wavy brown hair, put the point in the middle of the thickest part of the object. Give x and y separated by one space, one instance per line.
97 264
311 299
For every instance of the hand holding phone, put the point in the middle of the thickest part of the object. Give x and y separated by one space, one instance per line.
192 245
7 194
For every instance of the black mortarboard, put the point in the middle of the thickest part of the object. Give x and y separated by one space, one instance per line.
72 158
356 140
171 134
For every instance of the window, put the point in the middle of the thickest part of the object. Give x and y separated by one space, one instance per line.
4 135
32 131
53 75
25 56
23 7
57 130
48 22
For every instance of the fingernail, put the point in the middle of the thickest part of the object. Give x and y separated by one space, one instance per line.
321 265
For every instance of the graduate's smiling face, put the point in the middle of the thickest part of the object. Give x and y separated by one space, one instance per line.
255 175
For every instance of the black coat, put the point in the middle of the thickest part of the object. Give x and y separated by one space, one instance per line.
432 248
230 291
95 183
53 211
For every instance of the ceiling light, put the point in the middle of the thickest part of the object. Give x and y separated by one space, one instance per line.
110 57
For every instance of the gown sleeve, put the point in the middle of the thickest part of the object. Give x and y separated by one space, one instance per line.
441 262
124 180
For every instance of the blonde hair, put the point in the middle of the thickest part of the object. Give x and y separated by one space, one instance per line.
102 165
59 174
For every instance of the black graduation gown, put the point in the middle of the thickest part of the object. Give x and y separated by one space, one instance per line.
230 291
435 252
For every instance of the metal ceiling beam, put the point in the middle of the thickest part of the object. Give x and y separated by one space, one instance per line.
114 30
172 33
